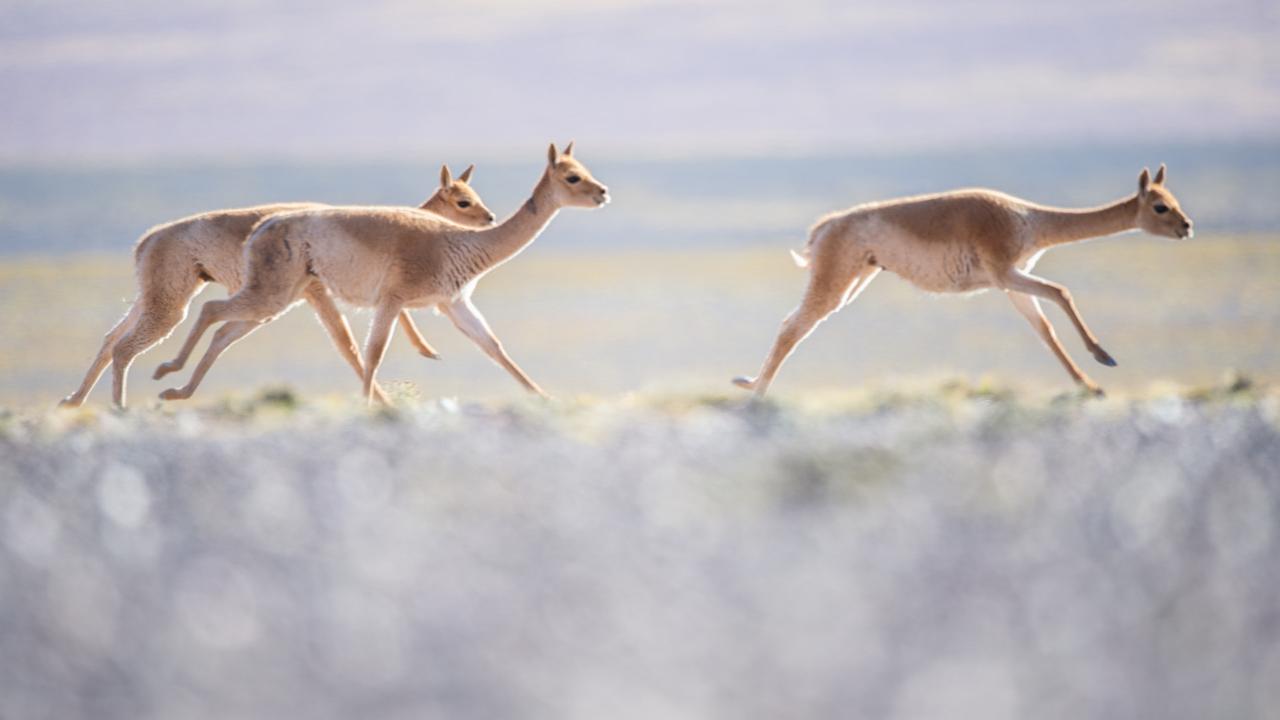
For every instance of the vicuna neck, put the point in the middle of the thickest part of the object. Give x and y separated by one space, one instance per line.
1056 226
506 240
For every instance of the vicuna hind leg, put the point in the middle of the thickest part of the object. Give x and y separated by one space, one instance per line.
415 338
335 323
1029 307
163 308
829 289
229 334
103 359
211 312
275 279
242 315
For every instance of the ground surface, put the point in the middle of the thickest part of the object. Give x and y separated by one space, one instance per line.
605 321
956 553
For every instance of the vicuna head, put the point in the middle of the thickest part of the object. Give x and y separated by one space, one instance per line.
572 182
456 201
1158 210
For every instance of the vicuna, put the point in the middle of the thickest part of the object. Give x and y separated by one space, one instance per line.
388 259
174 261
963 241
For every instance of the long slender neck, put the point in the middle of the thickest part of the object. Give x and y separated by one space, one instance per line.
504 241
1056 226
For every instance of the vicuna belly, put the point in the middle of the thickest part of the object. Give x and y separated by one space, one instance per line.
935 267
351 272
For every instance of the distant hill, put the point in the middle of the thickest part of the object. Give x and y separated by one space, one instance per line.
657 203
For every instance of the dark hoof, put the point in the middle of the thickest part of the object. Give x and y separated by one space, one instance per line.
173 394
164 369
743 381
1101 356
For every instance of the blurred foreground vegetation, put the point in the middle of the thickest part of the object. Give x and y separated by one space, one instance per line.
955 551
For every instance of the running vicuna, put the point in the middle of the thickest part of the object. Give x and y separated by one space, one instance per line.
387 259
963 241
174 261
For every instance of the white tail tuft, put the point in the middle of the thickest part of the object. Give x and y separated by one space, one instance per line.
802 260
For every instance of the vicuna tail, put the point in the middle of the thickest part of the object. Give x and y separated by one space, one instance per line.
805 255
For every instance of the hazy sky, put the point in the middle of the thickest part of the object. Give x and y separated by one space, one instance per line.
156 79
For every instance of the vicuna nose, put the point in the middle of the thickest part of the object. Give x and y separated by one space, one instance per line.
492 217
1186 224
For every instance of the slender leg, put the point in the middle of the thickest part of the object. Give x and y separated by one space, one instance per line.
149 330
823 297
1029 306
375 347
335 323
208 316
415 337
252 304
229 334
103 359
164 306
275 279
468 319
1039 287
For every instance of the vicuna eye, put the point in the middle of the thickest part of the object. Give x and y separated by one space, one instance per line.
1160 209
464 203
572 179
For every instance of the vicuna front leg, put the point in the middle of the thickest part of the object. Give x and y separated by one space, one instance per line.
468 319
335 323
1032 285
1029 307
826 293
375 347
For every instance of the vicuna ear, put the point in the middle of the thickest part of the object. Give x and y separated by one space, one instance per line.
552 155
1144 181
466 174
1159 178
568 149
445 176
